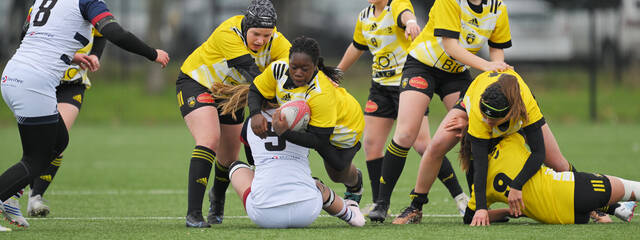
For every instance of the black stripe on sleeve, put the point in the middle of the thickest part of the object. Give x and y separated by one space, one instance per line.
82 39
360 46
438 32
500 45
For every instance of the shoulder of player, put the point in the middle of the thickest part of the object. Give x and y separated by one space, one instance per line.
496 6
232 25
366 13
279 68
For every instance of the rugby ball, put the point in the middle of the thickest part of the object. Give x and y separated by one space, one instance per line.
297 114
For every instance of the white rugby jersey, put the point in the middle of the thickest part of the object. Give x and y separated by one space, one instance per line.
57 29
282 173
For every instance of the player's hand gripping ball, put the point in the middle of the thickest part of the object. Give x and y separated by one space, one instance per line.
297 114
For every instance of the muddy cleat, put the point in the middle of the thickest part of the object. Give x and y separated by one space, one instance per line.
36 207
379 212
625 211
216 209
410 215
355 193
357 219
195 220
12 213
461 202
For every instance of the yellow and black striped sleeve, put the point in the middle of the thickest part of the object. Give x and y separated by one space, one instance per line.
398 7
446 16
501 36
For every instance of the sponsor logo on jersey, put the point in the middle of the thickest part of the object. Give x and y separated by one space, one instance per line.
205 98
389 30
374 42
191 101
474 22
470 38
418 82
371 107
78 98
4 79
9 80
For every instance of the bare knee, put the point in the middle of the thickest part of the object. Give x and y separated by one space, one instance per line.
373 147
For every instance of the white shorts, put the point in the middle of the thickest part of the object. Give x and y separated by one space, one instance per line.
292 215
30 95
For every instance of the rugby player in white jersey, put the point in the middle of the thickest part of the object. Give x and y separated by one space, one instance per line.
281 193
57 29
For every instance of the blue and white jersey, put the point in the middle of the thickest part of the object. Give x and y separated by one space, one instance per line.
57 29
282 173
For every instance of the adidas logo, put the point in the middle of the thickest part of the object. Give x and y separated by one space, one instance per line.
382 180
474 22
46 178
286 97
202 181
374 26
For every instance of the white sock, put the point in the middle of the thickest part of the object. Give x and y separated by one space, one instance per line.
629 188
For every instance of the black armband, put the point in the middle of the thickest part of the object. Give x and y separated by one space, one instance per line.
315 137
246 65
535 140
127 41
480 154
254 100
500 45
438 32
98 46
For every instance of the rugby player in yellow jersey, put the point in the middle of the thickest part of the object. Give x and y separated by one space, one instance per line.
336 123
438 63
456 120
386 29
236 52
549 196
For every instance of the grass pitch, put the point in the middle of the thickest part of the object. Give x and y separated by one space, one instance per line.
130 182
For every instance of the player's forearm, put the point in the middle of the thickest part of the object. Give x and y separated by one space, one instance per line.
246 65
350 56
254 100
315 137
480 153
407 16
453 49
535 140
98 46
127 41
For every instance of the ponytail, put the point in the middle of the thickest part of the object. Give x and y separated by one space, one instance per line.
233 98
333 73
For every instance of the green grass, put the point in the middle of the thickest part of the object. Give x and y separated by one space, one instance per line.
129 182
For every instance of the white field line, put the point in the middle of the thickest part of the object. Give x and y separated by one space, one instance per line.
182 218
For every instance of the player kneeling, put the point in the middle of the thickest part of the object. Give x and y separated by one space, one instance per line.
281 193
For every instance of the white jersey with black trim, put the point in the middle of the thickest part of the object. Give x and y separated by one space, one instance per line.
57 29
282 174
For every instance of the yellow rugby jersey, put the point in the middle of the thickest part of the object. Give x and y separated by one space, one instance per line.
331 106
471 102
548 196
75 72
208 63
456 19
385 40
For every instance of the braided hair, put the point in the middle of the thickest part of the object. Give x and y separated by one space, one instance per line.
311 47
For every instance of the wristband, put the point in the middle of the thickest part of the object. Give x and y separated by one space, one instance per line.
411 21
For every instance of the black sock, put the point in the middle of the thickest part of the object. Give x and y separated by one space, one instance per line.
418 199
611 209
221 182
448 177
39 145
202 159
375 170
392 165
41 183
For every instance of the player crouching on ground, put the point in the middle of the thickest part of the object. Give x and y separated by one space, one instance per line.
282 184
